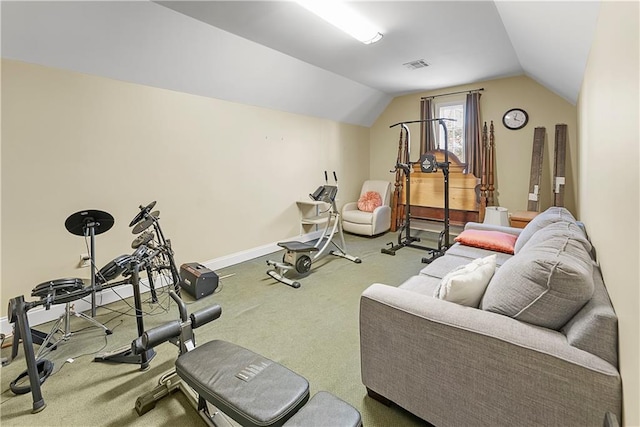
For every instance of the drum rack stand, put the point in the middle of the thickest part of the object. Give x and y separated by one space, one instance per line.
46 341
125 354
142 221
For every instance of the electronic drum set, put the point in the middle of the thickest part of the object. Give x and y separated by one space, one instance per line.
152 254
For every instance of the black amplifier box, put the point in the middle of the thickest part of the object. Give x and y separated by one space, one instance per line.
197 280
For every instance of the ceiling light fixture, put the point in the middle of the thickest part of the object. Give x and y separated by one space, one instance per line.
341 16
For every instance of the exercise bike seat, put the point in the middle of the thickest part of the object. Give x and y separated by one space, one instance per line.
250 388
298 247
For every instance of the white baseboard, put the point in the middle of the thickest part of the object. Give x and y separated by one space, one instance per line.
238 257
39 315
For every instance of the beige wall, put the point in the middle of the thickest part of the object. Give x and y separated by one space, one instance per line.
225 176
609 178
513 148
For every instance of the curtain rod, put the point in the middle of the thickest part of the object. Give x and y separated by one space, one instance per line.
452 93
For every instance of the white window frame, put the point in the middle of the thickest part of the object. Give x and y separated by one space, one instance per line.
461 152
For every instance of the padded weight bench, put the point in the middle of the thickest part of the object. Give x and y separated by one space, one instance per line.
324 409
251 389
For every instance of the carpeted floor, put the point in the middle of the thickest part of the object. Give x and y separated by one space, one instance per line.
312 330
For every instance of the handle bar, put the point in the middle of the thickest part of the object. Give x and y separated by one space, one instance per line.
172 329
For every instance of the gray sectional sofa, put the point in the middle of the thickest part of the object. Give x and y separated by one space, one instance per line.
540 348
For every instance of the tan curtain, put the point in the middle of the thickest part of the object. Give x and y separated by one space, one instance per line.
427 134
472 134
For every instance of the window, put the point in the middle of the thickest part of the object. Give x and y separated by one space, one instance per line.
452 110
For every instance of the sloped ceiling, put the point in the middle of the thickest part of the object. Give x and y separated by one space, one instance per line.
275 54
462 41
552 40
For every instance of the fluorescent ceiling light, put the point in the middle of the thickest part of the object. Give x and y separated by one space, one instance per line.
341 16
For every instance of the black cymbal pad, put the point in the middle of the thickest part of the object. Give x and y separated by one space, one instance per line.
143 225
78 222
143 212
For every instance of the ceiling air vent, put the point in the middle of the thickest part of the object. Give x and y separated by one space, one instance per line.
414 65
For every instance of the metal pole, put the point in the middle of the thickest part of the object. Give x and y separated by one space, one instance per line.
446 184
20 308
92 232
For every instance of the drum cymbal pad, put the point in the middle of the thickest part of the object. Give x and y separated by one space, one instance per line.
144 210
142 239
143 225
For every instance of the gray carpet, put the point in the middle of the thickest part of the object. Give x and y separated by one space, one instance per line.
312 330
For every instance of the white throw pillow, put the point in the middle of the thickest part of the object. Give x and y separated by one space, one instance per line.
466 284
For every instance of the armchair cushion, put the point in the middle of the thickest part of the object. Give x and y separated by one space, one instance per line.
369 201
357 217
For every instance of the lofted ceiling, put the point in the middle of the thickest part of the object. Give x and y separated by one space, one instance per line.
277 55
462 41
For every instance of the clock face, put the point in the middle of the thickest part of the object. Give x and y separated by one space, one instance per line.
516 118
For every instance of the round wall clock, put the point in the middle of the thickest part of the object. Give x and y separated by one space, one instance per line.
515 118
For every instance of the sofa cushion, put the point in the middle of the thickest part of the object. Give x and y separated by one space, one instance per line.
466 285
544 285
492 240
551 215
421 284
559 228
441 266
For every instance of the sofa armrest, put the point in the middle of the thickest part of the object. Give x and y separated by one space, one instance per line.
433 358
492 227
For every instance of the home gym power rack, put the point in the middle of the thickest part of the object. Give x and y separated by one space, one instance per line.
428 164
